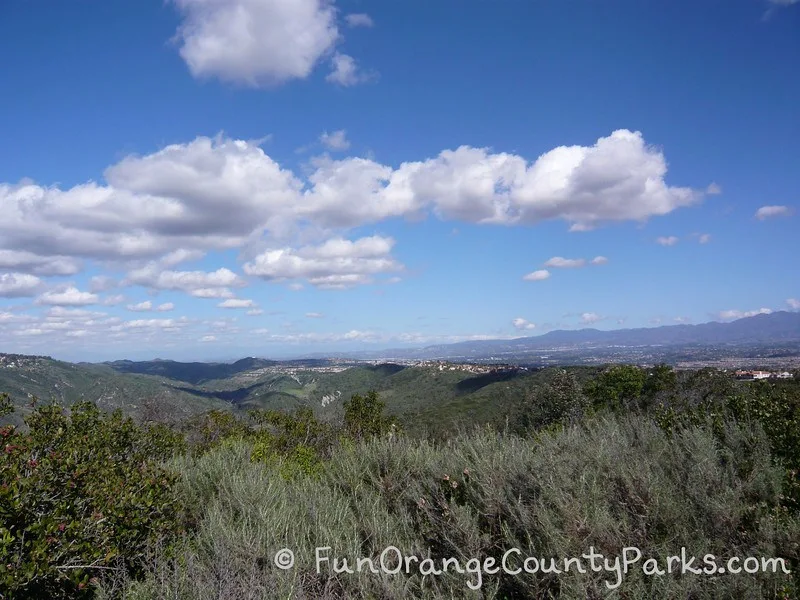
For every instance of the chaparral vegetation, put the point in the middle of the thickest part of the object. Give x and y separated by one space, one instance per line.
98 504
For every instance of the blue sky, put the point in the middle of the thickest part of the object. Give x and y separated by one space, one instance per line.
198 179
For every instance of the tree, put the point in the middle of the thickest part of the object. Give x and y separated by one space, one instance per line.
364 418
559 401
617 386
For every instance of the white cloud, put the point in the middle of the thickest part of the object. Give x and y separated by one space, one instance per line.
727 315
69 296
619 178
766 212
237 303
540 275
141 307
682 320
314 315
165 307
178 256
588 318
793 303
599 260
114 300
102 283
522 324
255 312
200 284
30 331
704 238
215 293
560 262
208 338
166 324
336 140
18 285
256 42
217 194
346 72
713 189
28 262
667 240
336 264
359 20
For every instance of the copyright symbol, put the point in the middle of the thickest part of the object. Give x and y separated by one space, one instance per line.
284 559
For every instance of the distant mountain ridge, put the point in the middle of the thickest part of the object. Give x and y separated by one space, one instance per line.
774 328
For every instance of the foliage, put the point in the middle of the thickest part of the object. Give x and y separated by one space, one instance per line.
617 386
364 418
211 428
82 493
559 401
612 482
298 438
773 406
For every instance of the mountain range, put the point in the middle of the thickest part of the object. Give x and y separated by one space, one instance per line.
776 328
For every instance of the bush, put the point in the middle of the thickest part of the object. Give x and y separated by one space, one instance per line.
82 495
615 481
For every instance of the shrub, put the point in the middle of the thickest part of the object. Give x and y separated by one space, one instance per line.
615 481
82 495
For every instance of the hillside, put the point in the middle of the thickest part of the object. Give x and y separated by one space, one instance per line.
23 376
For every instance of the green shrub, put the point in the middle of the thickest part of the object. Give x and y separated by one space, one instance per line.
82 494
615 481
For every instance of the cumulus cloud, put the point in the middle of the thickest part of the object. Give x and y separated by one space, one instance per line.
18 285
589 318
69 296
255 312
346 72
336 140
523 324
336 264
539 275
217 193
793 303
208 338
212 293
314 315
713 189
141 307
728 315
102 283
767 212
359 20
704 238
667 240
560 262
200 284
148 306
256 42
620 178
237 303
28 262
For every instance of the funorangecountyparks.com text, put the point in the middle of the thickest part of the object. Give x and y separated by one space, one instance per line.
392 561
